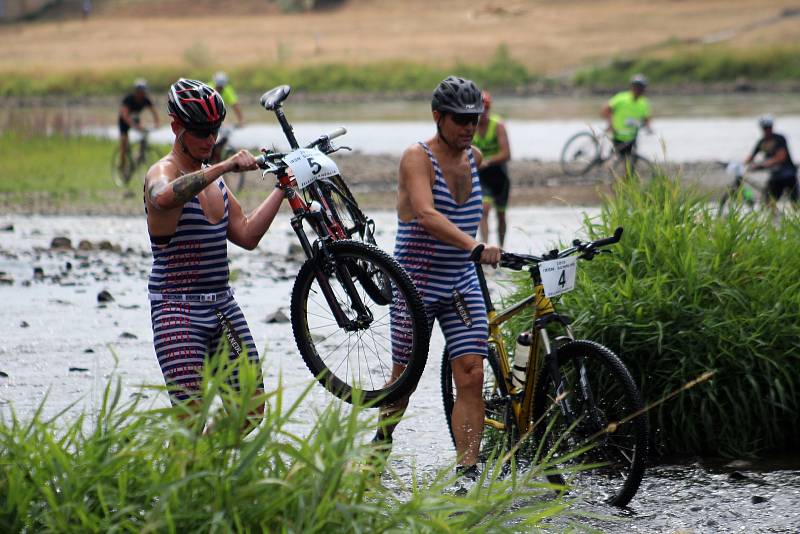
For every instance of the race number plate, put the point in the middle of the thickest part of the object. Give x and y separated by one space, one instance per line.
309 165
558 276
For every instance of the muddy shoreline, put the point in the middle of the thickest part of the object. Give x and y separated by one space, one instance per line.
373 180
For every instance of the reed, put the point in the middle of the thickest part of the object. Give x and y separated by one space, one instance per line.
132 469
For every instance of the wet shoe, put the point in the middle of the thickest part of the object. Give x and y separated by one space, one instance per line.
466 477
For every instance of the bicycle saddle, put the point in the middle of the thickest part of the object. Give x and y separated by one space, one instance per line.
272 99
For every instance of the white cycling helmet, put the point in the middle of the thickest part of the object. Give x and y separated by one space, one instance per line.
140 83
766 121
639 79
220 79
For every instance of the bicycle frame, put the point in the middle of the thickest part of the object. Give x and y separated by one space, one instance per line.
543 313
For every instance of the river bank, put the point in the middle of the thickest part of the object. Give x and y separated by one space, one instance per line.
373 180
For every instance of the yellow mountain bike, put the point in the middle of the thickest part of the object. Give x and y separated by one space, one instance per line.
570 402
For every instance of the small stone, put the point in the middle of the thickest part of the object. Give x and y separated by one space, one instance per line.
3 374
278 316
105 245
38 273
68 266
127 335
85 244
737 476
78 370
6 279
61 242
296 251
758 499
104 296
88 351
7 228
24 324
129 306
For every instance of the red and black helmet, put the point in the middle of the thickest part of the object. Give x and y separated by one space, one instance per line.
196 105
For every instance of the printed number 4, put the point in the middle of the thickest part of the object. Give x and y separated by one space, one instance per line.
562 280
315 167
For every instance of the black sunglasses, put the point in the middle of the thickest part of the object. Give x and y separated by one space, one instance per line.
463 119
202 134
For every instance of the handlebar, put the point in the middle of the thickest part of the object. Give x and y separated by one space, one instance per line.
587 249
264 160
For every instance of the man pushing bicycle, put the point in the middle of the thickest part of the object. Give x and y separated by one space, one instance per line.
782 170
439 209
627 112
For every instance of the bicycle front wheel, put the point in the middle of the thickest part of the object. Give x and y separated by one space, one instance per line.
358 356
499 432
580 153
121 174
590 418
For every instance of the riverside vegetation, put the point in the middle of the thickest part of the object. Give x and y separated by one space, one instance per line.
129 468
686 292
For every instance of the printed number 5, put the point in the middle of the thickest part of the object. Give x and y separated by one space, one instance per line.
562 280
315 167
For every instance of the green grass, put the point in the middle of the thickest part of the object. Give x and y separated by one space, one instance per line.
130 469
707 64
501 72
685 292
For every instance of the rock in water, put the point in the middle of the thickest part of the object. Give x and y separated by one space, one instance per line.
61 242
104 296
278 316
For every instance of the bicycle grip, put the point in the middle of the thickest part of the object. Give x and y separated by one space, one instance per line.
338 132
609 240
475 255
261 161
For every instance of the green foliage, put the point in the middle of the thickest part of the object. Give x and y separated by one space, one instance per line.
502 72
131 469
685 292
707 64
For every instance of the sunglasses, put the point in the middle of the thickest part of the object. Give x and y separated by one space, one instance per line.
463 119
202 134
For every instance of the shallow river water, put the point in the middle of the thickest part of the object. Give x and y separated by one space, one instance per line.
53 322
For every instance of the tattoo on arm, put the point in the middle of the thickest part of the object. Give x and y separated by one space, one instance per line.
187 186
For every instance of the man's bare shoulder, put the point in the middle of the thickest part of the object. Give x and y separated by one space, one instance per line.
163 169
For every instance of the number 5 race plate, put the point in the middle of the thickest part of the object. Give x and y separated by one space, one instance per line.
558 276
309 165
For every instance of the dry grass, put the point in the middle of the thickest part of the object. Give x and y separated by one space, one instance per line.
548 37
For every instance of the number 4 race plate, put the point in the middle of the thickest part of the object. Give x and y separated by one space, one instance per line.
309 165
558 276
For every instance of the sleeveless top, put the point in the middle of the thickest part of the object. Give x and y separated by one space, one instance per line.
195 258
488 143
436 267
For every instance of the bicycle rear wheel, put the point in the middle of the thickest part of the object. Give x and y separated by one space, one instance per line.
121 175
593 428
633 166
500 432
580 153
358 357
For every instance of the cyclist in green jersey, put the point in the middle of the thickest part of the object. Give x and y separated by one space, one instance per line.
222 86
626 112
492 140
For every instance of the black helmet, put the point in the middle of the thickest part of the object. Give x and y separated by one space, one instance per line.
196 105
457 95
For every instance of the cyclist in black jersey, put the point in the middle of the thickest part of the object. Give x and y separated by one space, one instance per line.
132 105
783 171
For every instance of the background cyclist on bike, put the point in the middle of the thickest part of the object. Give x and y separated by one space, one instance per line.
492 140
438 212
627 112
190 217
783 171
223 86
132 105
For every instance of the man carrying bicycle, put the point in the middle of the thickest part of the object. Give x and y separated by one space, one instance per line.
492 140
783 171
190 217
132 105
438 210
627 112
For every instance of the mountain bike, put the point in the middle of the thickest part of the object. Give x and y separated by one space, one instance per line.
569 402
344 291
585 151
137 159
